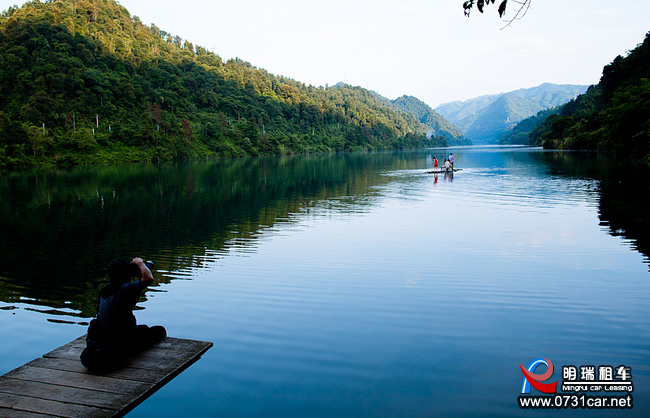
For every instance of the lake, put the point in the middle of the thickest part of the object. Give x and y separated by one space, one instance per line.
348 285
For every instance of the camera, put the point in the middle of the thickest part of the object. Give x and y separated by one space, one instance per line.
135 270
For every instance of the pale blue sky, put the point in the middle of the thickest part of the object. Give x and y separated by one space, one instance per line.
424 48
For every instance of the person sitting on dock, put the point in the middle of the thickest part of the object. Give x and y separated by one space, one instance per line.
114 334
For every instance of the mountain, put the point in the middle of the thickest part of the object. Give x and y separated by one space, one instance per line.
492 120
463 113
484 119
436 124
613 115
86 82
521 132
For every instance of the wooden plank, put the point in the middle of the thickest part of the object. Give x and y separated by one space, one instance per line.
30 405
14 413
164 359
78 380
62 393
74 347
126 373
177 344
57 384
169 343
152 359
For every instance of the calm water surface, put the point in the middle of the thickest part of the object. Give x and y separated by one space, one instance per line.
348 285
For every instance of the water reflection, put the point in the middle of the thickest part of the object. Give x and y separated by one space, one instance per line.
60 228
623 187
543 178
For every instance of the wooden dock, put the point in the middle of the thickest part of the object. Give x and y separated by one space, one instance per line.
58 385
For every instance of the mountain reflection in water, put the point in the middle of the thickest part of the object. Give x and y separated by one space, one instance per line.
60 228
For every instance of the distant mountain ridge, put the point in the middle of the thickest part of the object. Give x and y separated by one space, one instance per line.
435 123
484 119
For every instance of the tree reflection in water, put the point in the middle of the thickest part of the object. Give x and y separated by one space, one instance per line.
61 228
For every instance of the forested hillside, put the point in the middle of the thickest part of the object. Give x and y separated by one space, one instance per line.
435 124
521 134
613 115
83 81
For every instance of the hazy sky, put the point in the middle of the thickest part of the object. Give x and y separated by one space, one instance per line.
424 48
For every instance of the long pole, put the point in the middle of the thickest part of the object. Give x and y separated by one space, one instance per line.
458 153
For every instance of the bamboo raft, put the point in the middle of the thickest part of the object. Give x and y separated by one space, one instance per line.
58 385
443 171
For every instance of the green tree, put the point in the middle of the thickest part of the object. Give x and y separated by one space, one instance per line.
84 139
37 139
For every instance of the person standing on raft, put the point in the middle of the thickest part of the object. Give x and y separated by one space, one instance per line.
114 334
451 160
435 162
